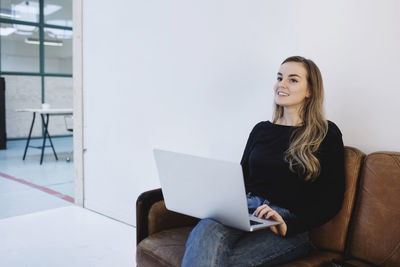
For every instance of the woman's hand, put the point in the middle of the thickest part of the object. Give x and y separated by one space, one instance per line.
265 212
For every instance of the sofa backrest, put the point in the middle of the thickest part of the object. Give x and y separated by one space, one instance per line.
375 227
332 235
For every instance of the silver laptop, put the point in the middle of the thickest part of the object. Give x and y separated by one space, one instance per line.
206 188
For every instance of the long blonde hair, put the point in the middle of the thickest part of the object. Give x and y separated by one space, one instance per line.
306 139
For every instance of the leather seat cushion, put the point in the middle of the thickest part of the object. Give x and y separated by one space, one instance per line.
165 248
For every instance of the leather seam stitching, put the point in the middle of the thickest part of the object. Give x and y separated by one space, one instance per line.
348 206
391 253
397 161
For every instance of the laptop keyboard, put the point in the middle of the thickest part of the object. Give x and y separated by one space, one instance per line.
254 222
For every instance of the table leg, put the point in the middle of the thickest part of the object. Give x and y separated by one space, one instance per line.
29 136
46 133
44 137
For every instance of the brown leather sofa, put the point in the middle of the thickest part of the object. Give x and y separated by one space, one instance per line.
366 232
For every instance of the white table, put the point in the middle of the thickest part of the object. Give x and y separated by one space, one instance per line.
43 113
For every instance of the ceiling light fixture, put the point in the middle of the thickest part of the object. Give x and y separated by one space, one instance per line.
46 42
8 14
29 7
6 31
58 33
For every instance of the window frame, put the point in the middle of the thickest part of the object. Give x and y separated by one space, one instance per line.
41 25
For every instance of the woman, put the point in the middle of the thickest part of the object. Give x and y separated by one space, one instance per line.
294 173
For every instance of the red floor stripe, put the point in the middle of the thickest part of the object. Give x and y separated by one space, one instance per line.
41 188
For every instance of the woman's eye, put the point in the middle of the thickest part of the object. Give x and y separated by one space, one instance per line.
293 80
279 79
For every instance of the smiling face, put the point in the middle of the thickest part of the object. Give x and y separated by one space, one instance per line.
291 88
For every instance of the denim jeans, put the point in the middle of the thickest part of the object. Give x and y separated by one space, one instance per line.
212 244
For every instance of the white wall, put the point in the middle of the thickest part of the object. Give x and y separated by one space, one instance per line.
25 92
22 92
195 76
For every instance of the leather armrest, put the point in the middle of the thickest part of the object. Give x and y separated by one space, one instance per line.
152 216
143 205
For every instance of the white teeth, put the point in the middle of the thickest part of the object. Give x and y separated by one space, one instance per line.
281 93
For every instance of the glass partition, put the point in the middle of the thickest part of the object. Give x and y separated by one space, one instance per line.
62 16
19 49
58 93
57 51
36 59
22 92
20 10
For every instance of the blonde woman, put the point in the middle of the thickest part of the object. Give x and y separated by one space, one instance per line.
294 173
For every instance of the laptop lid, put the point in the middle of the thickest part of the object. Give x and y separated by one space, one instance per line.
204 188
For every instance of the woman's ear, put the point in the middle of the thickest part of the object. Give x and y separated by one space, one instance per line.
308 94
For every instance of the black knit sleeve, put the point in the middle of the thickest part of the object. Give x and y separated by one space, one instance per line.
324 197
249 145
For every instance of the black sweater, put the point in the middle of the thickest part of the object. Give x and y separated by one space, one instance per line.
267 174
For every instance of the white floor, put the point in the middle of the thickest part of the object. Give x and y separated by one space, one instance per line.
17 198
54 174
39 228
66 237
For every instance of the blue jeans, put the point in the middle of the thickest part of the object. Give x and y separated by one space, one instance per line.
211 244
